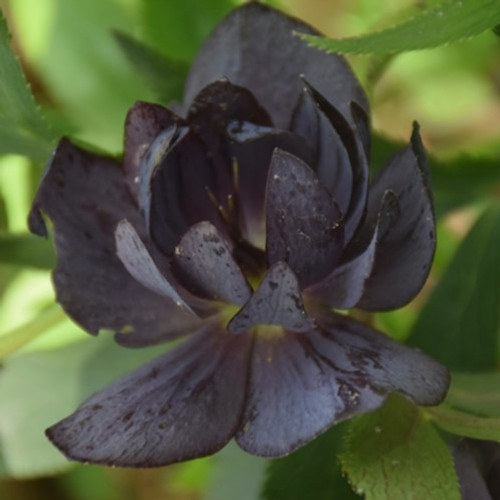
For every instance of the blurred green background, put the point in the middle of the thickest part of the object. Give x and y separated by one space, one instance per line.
85 82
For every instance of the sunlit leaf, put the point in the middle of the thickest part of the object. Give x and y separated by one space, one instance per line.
26 250
395 453
449 21
311 472
459 324
22 128
164 76
38 389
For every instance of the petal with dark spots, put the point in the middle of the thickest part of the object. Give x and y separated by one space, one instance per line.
404 255
277 301
144 122
255 46
252 146
203 263
302 384
181 189
332 162
302 220
344 286
85 196
352 135
185 404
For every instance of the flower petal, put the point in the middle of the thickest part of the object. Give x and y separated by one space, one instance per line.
404 255
204 265
333 165
252 148
183 405
143 124
85 196
352 136
344 286
276 301
302 384
255 47
302 220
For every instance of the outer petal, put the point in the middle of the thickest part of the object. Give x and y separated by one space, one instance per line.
302 384
185 404
404 256
85 196
302 221
144 123
204 264
277 301
345 285
255 47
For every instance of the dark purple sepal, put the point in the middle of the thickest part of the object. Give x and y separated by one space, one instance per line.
255 46
252 146
344 286
303 225
277 301
203 263
85 196
144 122
183 405
404 255
332 163
352 139
302 384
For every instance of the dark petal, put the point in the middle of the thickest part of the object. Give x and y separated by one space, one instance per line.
183 405
144 123
252 147
85 196
302 220
276 301
204 265
332 163
470 478
344 286
255 47
404 255
181 187
352 138
302 384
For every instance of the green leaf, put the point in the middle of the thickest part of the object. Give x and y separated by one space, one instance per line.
38 389
26 250
22 128
394 453
177 29
459 324
476 393
447 22
311 472
465 424
164 76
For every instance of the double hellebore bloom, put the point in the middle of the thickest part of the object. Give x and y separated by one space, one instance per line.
246 223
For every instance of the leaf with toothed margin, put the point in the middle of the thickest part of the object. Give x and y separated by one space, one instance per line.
203 263
395 453
277 301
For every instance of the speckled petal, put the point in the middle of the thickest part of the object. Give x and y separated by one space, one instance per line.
204 265
404 255
277 301
183 405
85 196
255 47
302 220
302 384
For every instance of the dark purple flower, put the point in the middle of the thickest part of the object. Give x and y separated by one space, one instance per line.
246 223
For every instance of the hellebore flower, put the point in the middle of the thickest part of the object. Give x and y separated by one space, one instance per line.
242 223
